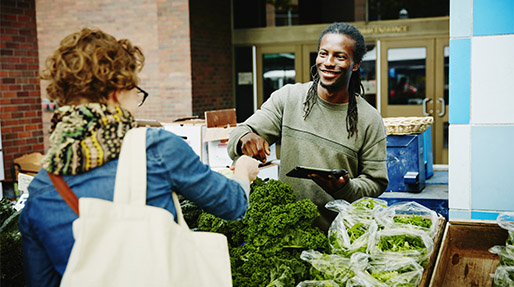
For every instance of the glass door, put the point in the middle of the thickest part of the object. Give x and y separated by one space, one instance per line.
413 84
277 66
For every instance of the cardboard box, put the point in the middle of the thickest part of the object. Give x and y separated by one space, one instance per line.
29 163
217 143
269 171
216 140
427 273
220 124
464 258
209 138
23 182
193 132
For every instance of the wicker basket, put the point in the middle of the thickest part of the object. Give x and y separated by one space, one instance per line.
407 125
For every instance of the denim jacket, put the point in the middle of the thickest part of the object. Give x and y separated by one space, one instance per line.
46 220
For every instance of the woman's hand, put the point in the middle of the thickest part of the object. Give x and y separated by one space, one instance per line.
246 168
255 146
330 184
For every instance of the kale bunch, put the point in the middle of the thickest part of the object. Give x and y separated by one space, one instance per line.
266 245
10 239
190 210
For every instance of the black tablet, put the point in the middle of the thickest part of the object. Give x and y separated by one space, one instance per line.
302 172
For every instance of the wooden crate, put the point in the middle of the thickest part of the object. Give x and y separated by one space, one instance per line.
464 258
427 273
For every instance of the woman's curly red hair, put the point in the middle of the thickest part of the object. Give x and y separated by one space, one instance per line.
89 65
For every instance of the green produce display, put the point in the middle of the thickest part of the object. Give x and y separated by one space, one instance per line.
369 203
504 274
265 246
369 243
10 239
414 220
381 245
190 210
397 243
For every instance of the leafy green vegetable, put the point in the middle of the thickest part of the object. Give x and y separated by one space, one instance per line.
335 240
356 231
265 246
368 203
510 239
414 220
397 243
10 239
190 210
402 272
331 267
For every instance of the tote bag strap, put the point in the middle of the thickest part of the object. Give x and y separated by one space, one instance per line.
131 174
178 208
130 185
65 191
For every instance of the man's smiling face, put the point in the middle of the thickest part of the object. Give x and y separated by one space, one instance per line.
334 61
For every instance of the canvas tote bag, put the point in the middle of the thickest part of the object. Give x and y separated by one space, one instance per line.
124 242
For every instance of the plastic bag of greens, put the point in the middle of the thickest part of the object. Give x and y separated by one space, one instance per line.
396 271
360 263
324 283
504 276
328 266
369 203
364 279
408 215
506 254
402 242
361 209
506 221
349 233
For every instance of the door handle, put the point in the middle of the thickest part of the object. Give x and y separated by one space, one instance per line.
443 107
425 101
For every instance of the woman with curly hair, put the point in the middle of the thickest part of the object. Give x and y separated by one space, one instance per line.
93 78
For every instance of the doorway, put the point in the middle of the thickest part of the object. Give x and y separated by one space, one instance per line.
414 82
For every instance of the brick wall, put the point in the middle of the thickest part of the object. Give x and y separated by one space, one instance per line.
211 60
20 101
160 28
174 57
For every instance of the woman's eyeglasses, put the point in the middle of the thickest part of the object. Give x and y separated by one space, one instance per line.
141 96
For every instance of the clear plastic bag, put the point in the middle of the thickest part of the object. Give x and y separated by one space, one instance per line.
362 209
329 266
506 220
504 276
506 254
402 242
349 232
408 215
396 271
364 279
323 283
360 263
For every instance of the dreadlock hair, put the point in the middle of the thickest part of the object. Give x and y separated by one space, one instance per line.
355 87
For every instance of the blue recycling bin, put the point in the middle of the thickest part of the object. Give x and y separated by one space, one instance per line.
406 162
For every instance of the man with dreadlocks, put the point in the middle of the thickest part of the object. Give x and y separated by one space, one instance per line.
324 124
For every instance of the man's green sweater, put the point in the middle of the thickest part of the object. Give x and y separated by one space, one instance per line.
321 141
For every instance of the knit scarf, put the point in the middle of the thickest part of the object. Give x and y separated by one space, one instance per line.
84 137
